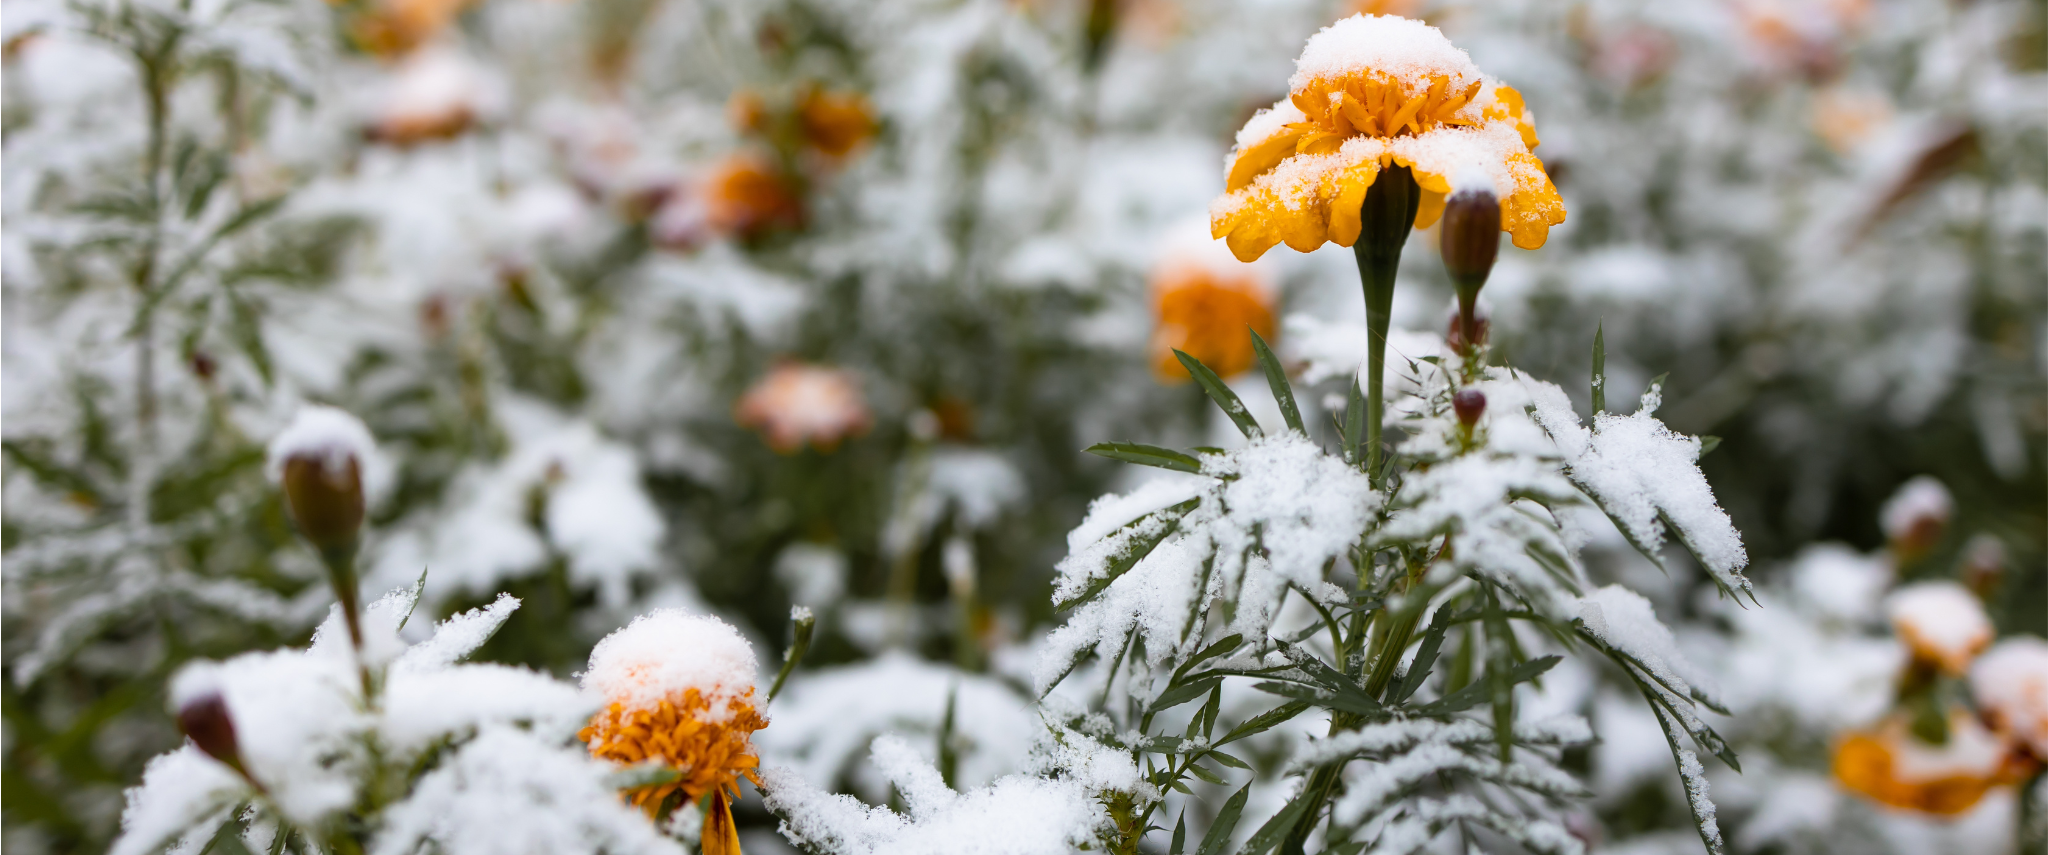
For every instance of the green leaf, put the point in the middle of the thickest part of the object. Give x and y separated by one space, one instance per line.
1221 394
1478 692
1276 378
246 327
1270 834
419 587
1176 695
1134 552
1264 721
1228 760
1180 833
1425 658
1225 824
1708 444
1199 771
1148 455
1600 369
1357 703
1217 648
1354 423
801 624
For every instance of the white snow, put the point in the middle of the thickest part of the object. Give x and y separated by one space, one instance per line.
1921 498
1942 621
1404 49
329 435
1624 620
1015 815
665 652
2010 683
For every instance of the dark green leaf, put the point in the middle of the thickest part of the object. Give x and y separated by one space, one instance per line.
1358 704
1425 658
1180 834
1225 824
1600 369
1708 444
1228 760
1216 648
1221 394
1199 771
1264 721
1275 829
1354 423
1176 695
1479 692
1276 378
1148 455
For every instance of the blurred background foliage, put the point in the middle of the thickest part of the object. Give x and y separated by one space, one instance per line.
739 304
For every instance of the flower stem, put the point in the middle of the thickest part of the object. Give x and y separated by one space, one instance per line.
1386 218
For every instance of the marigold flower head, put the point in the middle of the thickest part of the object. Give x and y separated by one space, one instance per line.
1203 302
1942 622
746 196
680 691
2010 684
1916 517
433 95
1368 93
393 27
1889 765
835 123
798 404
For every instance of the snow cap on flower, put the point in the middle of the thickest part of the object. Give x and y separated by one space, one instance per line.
1942 622
666 652
1371 93
2010 684
319 460
798 404
1916 517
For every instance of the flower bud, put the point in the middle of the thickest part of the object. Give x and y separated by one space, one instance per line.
1454 329
205 720
325 495
1470 240
1469 404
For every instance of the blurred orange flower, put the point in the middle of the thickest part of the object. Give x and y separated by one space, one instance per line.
800 404
1205 312
746 196
1941 622
1889 765
393 27
835 123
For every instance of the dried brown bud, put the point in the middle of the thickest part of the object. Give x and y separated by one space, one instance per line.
325 495
1469 404
205 720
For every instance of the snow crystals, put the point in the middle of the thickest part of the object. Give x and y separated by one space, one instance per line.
666 652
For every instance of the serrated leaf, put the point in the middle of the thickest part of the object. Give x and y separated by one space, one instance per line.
1146 455
1276 379
1225 824
1221 394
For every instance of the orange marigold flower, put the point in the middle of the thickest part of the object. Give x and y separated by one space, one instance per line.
1370 93
1203 302
835 123
1889 765
798 404
393 27
435 94
1941 622
2010 684
746 196
680 692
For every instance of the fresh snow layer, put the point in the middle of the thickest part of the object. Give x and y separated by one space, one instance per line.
1942 621
1407 50
1922 498
1015 815
663 653
1623 619
2010 682
327 434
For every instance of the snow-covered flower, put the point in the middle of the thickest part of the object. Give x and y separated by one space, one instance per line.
1369 94
435 94
1203 300
679 692
800 404
2010 684
1892 766
832 124
1916 517
319 459
393 27
1942 622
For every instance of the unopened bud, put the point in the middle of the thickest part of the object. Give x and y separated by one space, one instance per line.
325 494
1454 330
1470 240
205 720
1469 404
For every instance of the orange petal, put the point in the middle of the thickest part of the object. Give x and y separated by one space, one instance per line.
1528 213
721 836
1261 157
1349 200
1432 207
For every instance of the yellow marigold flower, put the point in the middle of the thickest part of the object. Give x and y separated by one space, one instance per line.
393 27
1888 765
1941 622
680 691
804 404
1203 301
1370 92
835 123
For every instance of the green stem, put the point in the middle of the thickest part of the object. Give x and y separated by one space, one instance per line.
1386 218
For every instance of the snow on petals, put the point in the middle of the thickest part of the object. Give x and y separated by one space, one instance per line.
1942 622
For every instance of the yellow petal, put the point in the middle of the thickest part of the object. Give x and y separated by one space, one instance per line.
721 836
1349 200
1260 157
1528 213
1432 207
